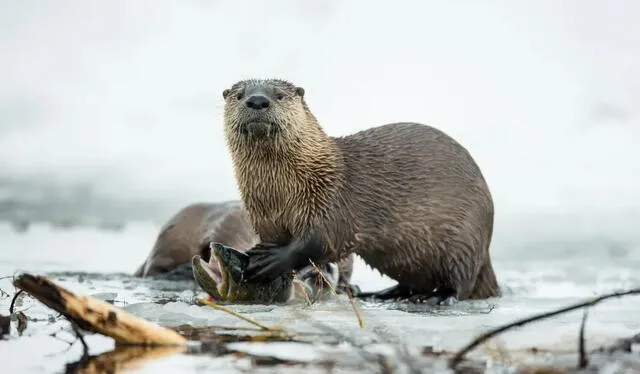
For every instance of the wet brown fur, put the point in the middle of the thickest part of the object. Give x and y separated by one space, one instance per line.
190 230
406 197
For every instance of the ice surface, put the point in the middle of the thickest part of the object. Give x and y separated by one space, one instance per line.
531 286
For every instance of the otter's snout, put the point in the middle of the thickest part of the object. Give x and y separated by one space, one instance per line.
257 102
256 113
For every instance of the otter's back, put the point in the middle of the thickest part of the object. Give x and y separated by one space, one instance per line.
414 179
184 234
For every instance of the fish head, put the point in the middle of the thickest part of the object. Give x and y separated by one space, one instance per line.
223 278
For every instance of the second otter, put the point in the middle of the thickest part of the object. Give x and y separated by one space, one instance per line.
191 230
406 197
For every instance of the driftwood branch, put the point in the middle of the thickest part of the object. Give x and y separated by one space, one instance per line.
95 315
457 358
122 358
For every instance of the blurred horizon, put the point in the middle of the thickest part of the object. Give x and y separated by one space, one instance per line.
113 111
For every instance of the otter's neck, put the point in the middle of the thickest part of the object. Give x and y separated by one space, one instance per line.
287 173
312 158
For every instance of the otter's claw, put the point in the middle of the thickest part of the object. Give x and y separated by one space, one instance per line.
401 293
434 300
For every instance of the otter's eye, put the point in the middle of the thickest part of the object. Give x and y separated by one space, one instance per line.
279 96
239 96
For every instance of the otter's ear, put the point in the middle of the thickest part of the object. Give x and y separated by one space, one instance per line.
300 91
225 93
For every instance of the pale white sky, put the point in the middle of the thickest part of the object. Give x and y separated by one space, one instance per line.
545 94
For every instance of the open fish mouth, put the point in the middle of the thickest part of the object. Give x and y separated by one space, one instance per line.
223 278
211 276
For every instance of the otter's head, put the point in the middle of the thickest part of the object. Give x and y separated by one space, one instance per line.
263 110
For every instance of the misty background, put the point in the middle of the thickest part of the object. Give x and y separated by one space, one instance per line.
112 111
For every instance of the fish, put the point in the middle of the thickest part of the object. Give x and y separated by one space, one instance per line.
222 277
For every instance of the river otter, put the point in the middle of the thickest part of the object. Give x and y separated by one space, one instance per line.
186 234
406 197
191 230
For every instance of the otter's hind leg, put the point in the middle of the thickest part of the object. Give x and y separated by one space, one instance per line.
457 273
454 279
486 283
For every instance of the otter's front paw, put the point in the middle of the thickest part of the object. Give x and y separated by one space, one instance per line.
267 263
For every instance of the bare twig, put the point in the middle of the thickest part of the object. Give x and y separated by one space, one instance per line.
583 361
236 314
69 344
13 301
455 360
85 347
55 336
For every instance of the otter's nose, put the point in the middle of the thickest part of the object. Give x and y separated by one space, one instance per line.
258 102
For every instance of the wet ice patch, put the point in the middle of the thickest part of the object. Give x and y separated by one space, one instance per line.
282 350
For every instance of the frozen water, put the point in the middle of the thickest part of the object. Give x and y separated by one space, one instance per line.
531 286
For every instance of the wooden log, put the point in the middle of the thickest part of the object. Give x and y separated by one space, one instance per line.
96 315
123 358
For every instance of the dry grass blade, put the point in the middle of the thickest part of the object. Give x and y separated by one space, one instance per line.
238 315
457 358
96 315
355 308
303 289
333 289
